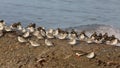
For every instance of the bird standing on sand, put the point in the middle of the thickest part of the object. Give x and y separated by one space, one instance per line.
83 36
37 34
73 34
93 36
90 55
34 43
21 39
99 39
50 30
7 29
31 27
49 35
49 43
2 24
19 26
62 35
26 34
55 32
112 40
42 31
72 42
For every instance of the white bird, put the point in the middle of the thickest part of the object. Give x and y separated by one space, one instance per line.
49 35
38 34
23 30
21 39
82 37
112 42
31 29
50 30
43 32
19 27
2 22
34 43
49 43
55 32
26 34
72 36
89 40
90 55
72 41
62 35
1 25
7 29
98 41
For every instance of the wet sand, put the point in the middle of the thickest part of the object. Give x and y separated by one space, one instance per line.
21 55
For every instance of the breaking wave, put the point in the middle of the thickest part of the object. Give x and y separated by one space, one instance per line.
99 28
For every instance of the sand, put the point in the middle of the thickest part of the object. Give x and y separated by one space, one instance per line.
22 55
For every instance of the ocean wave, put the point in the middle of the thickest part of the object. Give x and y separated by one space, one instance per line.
99 28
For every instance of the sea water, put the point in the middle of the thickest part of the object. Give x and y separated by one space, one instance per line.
64 13
61 13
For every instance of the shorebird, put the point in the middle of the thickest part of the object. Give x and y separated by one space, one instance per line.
38 34
34 43
89 40
19 26
99 39
21 39
2 24
31 27
90 55
55 32
42 31
72 42
93 36
16 26
26 34
24 30
73 34
50 35
105 38
7 29
83 36
50 30
62 35
49 43
112 40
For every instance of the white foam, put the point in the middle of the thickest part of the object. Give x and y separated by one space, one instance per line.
99 29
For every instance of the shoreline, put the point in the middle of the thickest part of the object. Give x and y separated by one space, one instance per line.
21 55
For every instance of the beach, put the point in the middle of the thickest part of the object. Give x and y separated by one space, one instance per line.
22 45
22 55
